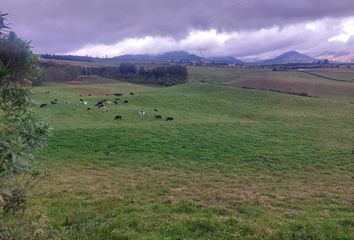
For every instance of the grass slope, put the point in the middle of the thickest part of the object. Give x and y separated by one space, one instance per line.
234 164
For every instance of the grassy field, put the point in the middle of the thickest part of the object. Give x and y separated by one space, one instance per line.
234 163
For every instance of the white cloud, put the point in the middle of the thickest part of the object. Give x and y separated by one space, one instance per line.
347 31
308 37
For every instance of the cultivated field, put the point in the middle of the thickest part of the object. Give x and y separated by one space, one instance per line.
234 164
325 82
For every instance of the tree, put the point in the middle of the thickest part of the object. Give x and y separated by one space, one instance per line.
20 133
127 69
142 71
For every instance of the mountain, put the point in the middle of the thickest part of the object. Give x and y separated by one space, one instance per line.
134 58
225 60
175 56
290 57
340 56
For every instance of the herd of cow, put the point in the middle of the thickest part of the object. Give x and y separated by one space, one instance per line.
104 105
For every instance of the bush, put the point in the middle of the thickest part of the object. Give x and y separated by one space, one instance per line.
21 133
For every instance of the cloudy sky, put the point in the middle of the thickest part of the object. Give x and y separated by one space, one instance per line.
243 28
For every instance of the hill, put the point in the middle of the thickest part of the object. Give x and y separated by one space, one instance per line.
290 58
225 60
134 58
174 56
178 56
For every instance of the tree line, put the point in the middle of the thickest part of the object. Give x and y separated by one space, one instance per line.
67 57
161 75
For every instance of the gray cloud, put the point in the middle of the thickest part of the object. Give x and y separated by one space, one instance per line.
67 25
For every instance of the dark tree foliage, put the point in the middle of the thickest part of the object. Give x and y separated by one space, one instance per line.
20 133
162 75
141 71
68 57
55 72
127 69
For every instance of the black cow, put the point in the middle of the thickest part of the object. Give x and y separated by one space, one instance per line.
156 110
118 94
53 102
125 101
81 100
169 118
88 108
118 117
131 93
89 95
100 103
115 102
44 105
158 116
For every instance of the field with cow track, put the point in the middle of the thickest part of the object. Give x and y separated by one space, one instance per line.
233 164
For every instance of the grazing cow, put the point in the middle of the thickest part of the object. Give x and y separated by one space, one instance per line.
131 93
43 105
56 100
155 110
85 102
53 102
81 100
107 94
80 95
158 116
109 102
88 108
89 95
100 103
141 113
169 118
118 94
118 117
125 101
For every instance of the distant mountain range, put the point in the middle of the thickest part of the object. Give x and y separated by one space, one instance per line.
291 57
337 56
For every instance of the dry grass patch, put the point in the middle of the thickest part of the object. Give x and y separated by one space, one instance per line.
210 189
